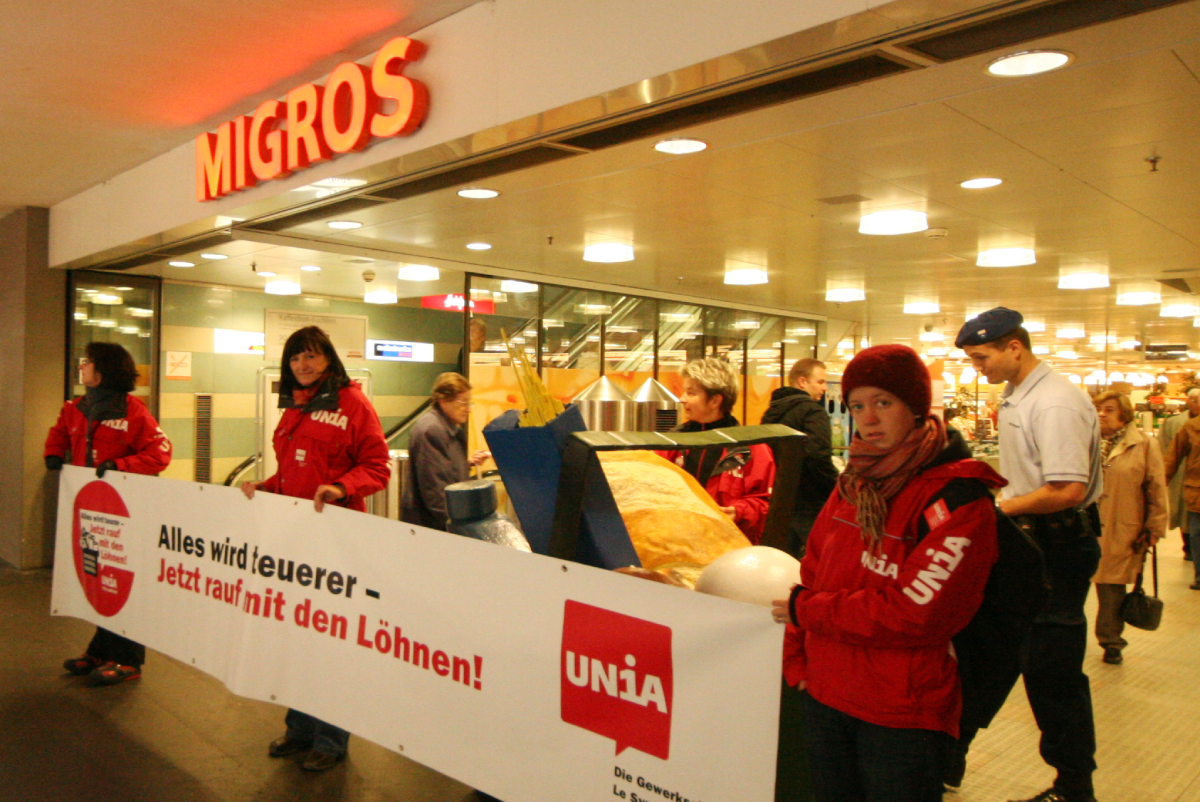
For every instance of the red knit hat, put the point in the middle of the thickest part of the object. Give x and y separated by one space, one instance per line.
895 368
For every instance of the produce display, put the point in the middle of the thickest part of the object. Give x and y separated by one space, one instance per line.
670 518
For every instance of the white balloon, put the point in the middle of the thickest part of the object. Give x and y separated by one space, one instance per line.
757 574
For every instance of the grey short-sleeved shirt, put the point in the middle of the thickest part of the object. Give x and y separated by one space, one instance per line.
1049 432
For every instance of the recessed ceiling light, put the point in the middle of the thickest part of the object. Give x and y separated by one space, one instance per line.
1041 350
1138 293
746 275
379 296
311 268
1029 62
1179 309
680 146
1071 333
509 285
418 273
980 183
344 225
478 193
608 252
896 221
216 257
921 307
282 287
1033 326
1006 257
479 246
181 263
844 295
266 273
1087 280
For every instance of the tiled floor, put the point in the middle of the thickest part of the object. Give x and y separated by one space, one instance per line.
179 736
1147 712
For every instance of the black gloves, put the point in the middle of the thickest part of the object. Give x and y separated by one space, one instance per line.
107 465
54 462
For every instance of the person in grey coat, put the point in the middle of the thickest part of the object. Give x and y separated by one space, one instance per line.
799 406
437 453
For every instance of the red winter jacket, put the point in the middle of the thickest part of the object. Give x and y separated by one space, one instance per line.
135 442
341 443
871 634
741 481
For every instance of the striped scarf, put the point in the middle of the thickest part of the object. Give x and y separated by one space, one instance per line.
873 476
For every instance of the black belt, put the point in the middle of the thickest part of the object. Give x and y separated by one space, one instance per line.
1079 521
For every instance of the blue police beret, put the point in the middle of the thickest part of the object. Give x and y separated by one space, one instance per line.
991 325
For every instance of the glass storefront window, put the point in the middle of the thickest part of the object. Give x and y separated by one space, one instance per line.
629 342
121 309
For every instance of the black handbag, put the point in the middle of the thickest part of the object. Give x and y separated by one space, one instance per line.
1138 609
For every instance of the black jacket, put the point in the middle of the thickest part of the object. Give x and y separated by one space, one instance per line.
797 409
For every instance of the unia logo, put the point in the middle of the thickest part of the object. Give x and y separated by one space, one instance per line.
101 547
617 678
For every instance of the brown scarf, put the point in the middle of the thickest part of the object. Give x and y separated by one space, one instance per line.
302 395
873 476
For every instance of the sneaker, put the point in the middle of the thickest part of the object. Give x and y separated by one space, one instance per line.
1112 655
284 746
322 761
83 665
1050 795
114 674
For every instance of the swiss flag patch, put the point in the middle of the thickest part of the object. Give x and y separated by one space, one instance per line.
937 515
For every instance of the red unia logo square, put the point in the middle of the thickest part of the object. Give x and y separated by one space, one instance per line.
617 677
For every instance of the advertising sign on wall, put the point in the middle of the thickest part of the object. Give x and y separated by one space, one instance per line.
524 676
348 332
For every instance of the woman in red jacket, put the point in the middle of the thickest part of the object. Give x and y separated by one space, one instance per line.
329 447
896 565
108 429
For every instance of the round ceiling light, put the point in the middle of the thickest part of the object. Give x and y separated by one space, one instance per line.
744 276
1070 333
896 221
608 252
844 295
1029 62
680 146
478 246
1033 326
282 287
310 268
344 225
379 296
418 273
478 193
1138 293
921 307
266 273
216 257
181 263
1006 257
981 183
1179 309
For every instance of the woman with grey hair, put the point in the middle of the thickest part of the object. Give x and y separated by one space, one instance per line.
1133 513
739 479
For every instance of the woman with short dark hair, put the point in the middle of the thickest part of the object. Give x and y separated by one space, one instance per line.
108 429
437 453
329 447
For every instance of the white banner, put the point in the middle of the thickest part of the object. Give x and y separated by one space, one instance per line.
524 676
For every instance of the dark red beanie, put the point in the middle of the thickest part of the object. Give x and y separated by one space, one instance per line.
895 368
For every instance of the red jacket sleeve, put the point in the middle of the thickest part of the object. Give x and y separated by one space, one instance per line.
151 448
749 494
938 590
371 471
58 442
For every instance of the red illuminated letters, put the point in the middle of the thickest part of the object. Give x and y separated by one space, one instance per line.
314 123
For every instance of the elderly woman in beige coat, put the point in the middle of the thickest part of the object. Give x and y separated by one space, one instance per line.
1133 513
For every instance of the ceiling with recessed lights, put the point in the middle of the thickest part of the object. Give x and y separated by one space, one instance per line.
1097 164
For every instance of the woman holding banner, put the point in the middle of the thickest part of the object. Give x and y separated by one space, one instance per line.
896 565
330 448
108 429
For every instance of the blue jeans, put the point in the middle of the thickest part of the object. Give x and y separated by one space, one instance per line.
325 738
851 760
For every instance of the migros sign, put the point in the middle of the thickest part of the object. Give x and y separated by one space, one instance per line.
313 123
